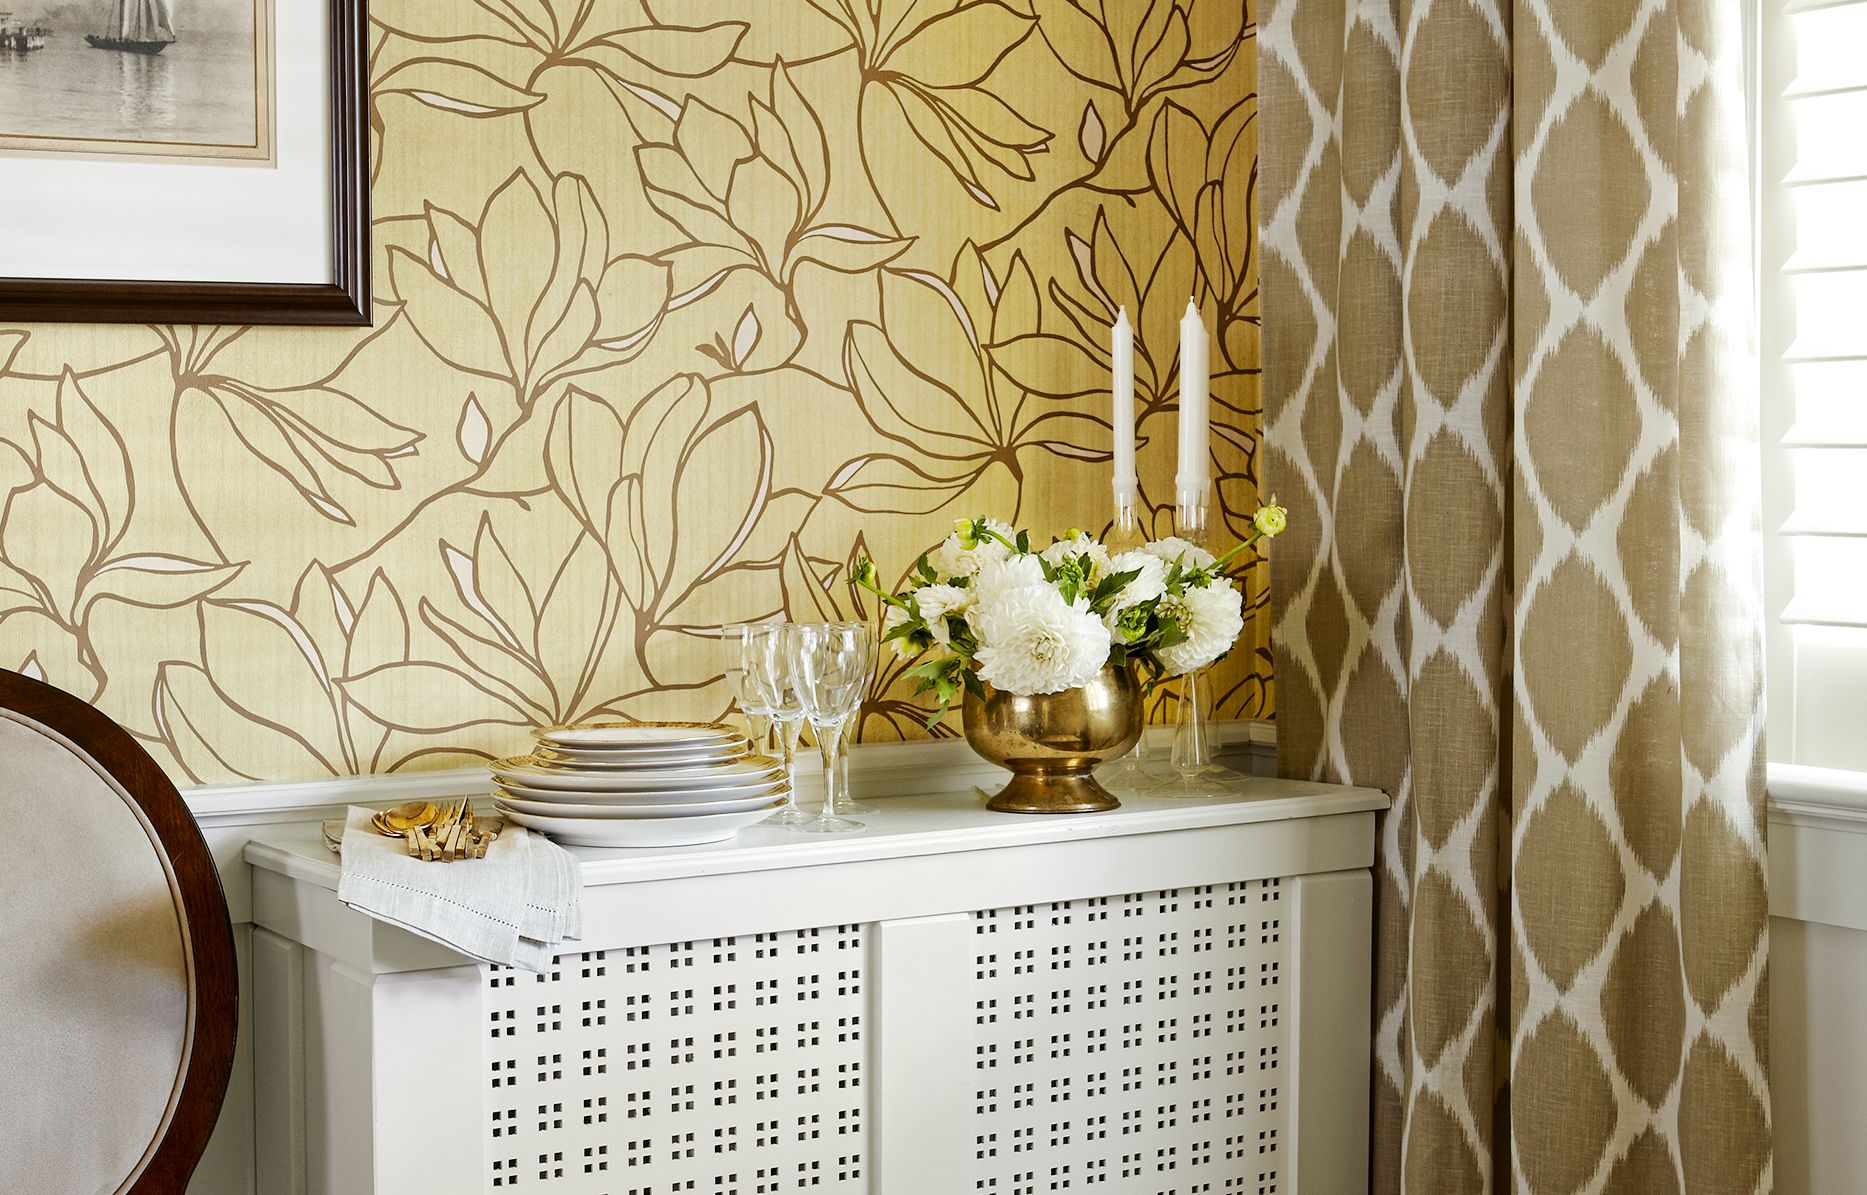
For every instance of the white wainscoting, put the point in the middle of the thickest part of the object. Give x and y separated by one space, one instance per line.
229 816
1818 979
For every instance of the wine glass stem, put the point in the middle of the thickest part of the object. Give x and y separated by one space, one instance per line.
829 744
758 729
789 730
842 764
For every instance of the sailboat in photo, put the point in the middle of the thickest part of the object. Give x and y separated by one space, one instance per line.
141 27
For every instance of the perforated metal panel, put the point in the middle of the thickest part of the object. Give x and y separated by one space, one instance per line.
1132 1044
728 1067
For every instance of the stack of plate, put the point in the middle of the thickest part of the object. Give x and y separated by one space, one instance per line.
639 784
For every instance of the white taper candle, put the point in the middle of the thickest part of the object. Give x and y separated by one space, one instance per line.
1193 477
1121 419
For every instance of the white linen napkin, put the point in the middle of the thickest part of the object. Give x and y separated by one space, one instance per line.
514 907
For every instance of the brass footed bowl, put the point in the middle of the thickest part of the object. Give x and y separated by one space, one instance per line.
1053 742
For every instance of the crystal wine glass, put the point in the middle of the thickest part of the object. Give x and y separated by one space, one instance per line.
832 662
768 672
745 695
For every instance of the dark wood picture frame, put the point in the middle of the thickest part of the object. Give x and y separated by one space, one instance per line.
344 301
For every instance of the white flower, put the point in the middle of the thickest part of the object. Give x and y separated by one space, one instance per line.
1211 617
1011 572
892 617
1079 545
954 561
1150 584
1174 548
1032 641
937 603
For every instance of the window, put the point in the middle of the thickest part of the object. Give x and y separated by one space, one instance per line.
1811 134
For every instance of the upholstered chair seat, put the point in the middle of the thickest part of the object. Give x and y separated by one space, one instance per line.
116 973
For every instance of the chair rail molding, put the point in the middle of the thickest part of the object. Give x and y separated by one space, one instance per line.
1831 798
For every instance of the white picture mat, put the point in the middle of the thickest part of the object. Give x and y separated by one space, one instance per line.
148 220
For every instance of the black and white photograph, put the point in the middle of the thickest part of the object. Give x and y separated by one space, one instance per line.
162 79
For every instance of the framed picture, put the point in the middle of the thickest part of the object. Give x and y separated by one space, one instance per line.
184 161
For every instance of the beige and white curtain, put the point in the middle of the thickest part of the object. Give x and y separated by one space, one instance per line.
1505 295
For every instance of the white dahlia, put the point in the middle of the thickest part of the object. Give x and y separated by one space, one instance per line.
1032 641
937 603
1211 617
954 561
1079 545
1150 584
1012 572
1174 548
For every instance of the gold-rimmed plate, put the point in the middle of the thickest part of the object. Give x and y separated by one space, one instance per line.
637 736
642 832
646 796
664 808
528 771
708 756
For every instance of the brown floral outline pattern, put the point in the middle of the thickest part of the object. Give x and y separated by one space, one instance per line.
682 309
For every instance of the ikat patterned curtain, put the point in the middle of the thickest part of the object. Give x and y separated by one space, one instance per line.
1506 283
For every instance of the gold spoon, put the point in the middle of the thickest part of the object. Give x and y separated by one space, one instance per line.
398 821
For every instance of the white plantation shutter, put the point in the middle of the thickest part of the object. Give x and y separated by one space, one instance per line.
1811 109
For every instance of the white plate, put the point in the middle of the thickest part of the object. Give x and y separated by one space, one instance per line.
654 736
662 809
708 747
640 832
655 796
566 757
522 770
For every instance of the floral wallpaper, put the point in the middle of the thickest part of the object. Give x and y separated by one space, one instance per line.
680 307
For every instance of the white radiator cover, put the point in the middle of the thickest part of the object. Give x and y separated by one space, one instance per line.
1164 1000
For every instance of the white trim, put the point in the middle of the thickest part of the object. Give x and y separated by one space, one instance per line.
940 820
1821 798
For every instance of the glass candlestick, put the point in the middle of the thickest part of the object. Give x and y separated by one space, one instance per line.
1125 528
1126 772
1192 743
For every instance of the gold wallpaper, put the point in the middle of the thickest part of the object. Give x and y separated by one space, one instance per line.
679 307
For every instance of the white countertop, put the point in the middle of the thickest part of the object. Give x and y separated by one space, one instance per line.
906 826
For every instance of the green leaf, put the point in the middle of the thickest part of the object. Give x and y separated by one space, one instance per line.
926 669
1110 587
